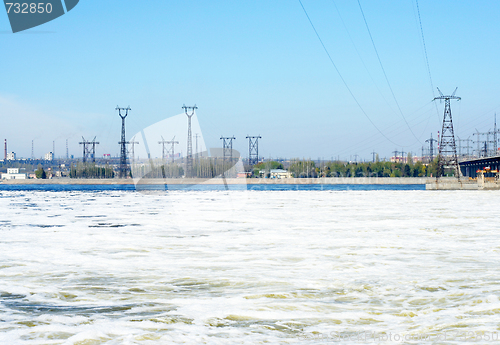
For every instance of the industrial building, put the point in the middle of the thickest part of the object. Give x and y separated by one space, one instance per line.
11 156
13 174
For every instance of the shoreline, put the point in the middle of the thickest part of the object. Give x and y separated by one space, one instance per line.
229 181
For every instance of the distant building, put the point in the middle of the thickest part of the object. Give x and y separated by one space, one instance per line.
280 173
49 156
11 156
13 174
399 159
244 174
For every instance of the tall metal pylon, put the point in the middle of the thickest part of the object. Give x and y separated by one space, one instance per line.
396 158
431 142
32 149
189 111
163 151
460 146
132 150
495 136
403 156
171 151
227 147
478 142
253 149
67 151
124 168
493 148
88 149
447 148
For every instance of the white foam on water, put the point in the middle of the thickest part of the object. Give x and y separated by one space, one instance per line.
246 267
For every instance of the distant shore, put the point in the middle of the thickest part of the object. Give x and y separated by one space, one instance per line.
232 181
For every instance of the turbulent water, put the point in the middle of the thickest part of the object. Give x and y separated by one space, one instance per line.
249 267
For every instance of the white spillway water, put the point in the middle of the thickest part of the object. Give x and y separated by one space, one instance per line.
260 267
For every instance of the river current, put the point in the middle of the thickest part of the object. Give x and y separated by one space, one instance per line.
249 267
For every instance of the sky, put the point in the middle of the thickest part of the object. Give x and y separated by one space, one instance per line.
253 68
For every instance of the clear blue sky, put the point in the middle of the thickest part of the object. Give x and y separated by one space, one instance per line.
252 67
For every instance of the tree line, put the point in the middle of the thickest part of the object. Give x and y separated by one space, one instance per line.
308 168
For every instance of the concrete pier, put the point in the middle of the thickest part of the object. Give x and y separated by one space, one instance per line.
232 181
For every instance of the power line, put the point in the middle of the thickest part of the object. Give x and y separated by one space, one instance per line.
385 74
426 56
341 77
359 55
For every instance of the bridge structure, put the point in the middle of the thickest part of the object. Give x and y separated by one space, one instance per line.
471 167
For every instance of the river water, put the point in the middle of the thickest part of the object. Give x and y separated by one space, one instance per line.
249 267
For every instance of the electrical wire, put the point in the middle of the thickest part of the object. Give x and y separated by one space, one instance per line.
341 77
385 74
359 55
427 58
369 141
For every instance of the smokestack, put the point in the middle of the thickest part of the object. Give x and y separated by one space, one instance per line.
5 152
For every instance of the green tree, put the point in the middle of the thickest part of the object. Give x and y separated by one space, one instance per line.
40 173
406 170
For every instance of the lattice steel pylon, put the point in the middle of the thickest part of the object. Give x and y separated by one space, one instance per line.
124 168
163 151
166 152
431 142
227 147
88 149
189 155
447 148
172 152
253 150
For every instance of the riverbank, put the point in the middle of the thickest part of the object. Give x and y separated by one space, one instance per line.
452 183
231 181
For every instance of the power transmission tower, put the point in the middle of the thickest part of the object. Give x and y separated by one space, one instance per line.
189 158
431 142
478 142
468 140
395 156
495 135
124 168
132 150
67 151
493 144
227 147
253 149
88 149
32 149
447 148
460 146
171 151
163 152
402 156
